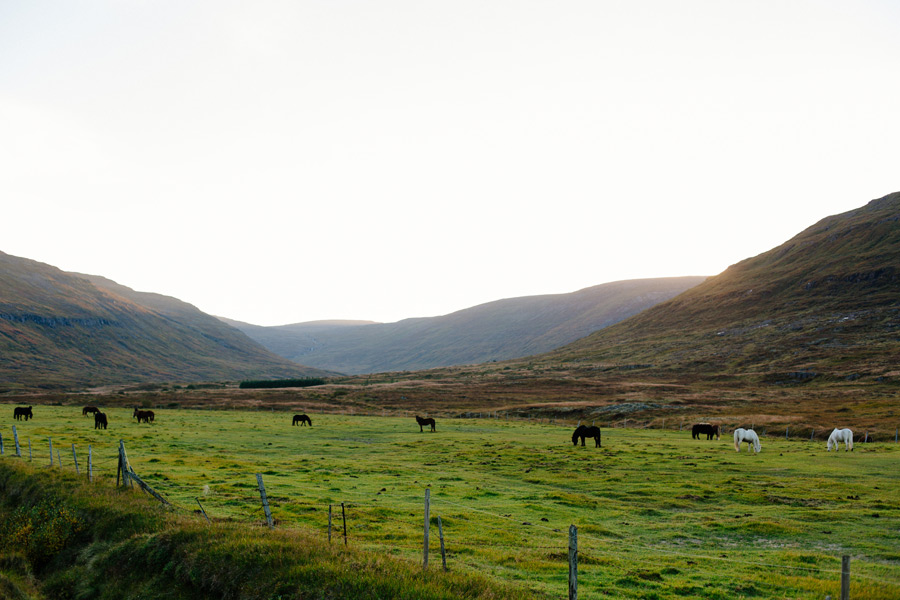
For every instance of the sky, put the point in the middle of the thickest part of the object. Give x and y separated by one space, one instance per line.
278 162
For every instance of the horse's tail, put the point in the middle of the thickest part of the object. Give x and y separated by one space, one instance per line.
737 440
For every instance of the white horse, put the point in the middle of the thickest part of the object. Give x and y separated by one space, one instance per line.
746 435
840 435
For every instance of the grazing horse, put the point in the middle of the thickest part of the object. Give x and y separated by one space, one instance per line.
840 435
584 431
100 420
701 428
422 422
146 416
302 419
22 412
88 410
746 435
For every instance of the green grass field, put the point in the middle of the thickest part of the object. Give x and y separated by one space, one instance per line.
659 515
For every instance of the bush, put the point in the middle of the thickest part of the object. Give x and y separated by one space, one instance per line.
282 383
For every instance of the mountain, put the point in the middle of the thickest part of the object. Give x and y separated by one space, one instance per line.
497 330
66 329
826 303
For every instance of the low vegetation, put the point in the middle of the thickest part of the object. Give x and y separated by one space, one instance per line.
659 515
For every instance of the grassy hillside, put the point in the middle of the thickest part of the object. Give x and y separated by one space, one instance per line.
61 537
826 303
489 332
66 329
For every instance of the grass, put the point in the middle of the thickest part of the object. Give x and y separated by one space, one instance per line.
658 514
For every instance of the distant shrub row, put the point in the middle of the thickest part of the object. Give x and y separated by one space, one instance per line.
282 383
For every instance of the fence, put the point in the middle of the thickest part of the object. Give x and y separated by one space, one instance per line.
572 545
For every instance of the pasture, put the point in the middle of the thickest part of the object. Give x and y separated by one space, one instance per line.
659 515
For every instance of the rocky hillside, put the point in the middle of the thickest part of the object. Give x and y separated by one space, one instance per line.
825 304
61 329
497 330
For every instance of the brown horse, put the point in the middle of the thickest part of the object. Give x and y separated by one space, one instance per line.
100 420
88 410
146 416
22 412
427 421
302 419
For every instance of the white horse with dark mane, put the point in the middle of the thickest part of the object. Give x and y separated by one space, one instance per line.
746 435
840 435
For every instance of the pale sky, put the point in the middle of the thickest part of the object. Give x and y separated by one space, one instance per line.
279 162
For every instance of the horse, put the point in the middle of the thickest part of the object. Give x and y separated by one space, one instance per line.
22 412
746 435
422 422
701 428
100 420
584 431
840 435
146 416
302 419
89 409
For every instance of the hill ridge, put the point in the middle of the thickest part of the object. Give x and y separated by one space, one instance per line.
60 329
826 301
491 331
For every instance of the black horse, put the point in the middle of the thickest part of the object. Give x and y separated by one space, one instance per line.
701 428
422 422
302 419
584 431
89 410
100 420
22 412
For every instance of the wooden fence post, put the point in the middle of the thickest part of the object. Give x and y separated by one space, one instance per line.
427 523
75 458
573 562
1 443
202 510
265 501
123 467
866 441
29 449
812 434
845 578
16 438
143 484
443 551
344 519
786 431
90 464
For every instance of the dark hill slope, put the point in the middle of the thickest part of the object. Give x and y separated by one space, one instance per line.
825 302
497 330
62 329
